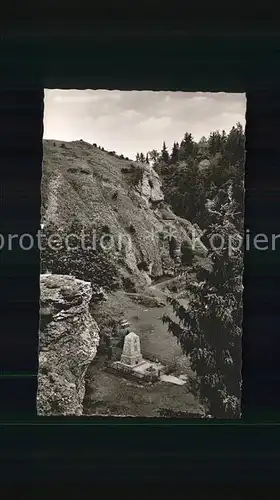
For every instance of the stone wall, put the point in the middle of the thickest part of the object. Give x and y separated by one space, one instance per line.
68 341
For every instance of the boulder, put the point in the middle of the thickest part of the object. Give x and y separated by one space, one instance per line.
68 340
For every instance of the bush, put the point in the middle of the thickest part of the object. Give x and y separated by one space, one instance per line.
129 286
85 263
143 266
135 173
187 254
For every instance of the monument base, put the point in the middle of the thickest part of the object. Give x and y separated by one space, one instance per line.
146 370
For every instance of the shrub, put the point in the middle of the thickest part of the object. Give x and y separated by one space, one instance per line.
82 261
128 285
187 254
143 266
135 173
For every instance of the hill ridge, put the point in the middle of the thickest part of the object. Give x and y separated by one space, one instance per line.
82 181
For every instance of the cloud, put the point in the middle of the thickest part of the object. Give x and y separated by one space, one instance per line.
155 124
86 96
130 113
134 121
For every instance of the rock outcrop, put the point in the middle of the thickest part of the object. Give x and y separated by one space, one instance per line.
68 341
101 190
150 186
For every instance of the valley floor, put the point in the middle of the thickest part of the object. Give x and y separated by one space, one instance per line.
110 394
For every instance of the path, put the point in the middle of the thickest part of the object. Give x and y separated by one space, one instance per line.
146 321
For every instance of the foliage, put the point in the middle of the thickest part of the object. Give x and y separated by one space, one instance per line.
134 173
164 153
74 250
140 158
209 332
194 172
203 182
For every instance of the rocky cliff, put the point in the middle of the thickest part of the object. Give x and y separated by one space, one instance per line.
68 341
125 197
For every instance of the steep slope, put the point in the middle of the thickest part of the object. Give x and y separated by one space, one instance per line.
68 342
101 190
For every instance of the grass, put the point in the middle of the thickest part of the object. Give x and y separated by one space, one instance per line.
109 394
155 339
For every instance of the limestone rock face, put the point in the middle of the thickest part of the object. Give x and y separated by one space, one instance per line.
141 223
68 341
150 186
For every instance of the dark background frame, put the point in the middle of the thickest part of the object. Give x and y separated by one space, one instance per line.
57 51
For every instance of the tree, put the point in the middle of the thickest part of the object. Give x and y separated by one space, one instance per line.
217 143
209 332
164 154
137 157
174 157
142 158
147 159
203 149
154 155
187 147
78 256
235 146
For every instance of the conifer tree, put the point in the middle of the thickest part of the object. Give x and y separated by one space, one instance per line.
174 157
209 331
85 261
187 147
235 146
142 158
164 153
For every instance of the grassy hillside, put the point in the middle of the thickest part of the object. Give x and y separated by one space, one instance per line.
83 182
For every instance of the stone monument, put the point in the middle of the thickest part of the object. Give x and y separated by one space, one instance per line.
131 354
133 364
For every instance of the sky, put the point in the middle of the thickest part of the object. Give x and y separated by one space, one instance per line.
137 121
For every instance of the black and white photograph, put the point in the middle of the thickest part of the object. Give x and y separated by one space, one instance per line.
142 243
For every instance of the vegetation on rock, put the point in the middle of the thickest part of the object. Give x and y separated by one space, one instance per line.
209 330
80 257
